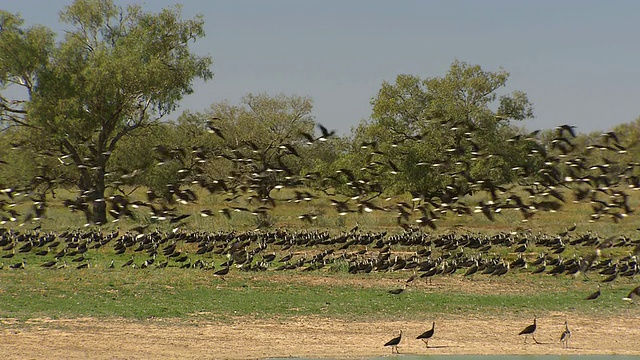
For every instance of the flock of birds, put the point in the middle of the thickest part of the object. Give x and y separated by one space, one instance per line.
564 172
529 330
419 254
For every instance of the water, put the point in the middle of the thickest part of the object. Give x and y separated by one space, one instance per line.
487 357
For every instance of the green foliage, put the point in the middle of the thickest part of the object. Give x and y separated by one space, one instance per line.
23 53
17 168
263 120
436 131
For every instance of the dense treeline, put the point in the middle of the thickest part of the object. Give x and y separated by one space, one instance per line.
95 120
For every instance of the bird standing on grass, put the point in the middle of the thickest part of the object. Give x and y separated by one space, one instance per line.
397 291
529 330
425 336
222 272
566 334
594 295
394 343
633 294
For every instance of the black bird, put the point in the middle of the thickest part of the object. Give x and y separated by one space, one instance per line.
610 278
594 295
20 265
633 294
472 270
214 129
325 133
178 218
529 330
394 343
222 272
397 291
48 264
128 263
568 128
425 336
566 334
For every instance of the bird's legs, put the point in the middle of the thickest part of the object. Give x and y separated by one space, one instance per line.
534 339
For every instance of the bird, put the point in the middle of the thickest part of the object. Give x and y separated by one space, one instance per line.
222 272
594 295
425 336
610 278
211 128
128 263
394 343
566 334
633 294
397 291
20 265
325 133
48 264
529 330
472 270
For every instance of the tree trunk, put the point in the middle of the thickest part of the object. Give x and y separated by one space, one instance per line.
99 203
100 209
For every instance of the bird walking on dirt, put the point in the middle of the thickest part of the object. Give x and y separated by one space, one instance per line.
566 334
425 336
530 330
394 343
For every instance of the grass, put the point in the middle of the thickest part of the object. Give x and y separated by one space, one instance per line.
193 294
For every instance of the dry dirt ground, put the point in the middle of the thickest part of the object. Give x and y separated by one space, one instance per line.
90 338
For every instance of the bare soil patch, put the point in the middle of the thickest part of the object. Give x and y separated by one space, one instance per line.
90 338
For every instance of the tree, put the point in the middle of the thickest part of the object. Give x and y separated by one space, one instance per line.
263 138
440 131
439 139
115 72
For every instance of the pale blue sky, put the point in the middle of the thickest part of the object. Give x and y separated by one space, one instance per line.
579 61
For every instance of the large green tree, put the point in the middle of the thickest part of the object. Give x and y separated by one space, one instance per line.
116 71
430 135
263 138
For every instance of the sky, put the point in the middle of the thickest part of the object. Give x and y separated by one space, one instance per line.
577 60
